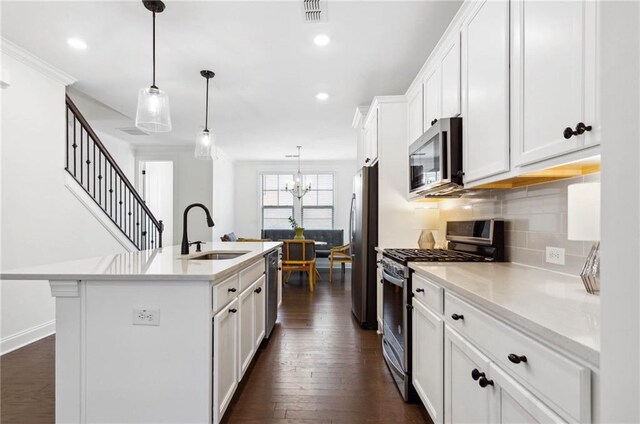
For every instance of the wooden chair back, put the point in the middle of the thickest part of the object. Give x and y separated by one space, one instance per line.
298 251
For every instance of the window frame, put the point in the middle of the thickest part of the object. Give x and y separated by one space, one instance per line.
297 207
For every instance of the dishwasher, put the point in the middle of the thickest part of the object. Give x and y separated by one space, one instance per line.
271 273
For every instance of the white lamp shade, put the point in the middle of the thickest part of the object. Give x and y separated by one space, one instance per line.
427 218
153 110
204 145
583 215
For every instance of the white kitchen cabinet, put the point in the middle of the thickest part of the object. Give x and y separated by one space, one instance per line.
225 358
432 89
414 115
450 76
371 137
246 329
465 400
514 404
485 90
554 81
427 358
259 304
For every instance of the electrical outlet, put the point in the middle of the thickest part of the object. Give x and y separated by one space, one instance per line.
146 316
555 255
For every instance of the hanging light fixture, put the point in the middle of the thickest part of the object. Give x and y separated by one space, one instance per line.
298 190
205 141
153 104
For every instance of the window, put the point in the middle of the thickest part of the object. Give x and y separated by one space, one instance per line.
277 203
317 204
313 211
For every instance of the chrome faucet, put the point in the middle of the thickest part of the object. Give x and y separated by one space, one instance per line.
185 237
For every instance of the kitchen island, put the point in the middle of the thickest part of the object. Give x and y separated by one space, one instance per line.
155 336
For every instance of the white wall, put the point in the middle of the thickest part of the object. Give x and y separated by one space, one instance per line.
620 248
223 196
41 220
248 221
192 183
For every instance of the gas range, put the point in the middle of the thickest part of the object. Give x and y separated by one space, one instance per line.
404 256
469 241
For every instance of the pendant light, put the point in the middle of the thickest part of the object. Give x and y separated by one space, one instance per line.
205 141
298 190
153 104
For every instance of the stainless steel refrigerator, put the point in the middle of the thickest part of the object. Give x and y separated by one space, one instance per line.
363 230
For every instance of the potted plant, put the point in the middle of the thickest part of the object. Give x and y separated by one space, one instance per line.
299 230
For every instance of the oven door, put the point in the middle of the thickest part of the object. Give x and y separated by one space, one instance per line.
394 312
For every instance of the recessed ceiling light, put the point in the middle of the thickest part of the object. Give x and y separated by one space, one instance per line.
77 43
322 96
321 40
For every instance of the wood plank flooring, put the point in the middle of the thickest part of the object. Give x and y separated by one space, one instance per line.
27 384
319 367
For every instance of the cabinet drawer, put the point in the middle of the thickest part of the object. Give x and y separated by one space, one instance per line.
224 292
565 384
251 273
428 293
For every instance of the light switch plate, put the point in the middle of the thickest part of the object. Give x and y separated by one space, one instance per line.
146 316
555 255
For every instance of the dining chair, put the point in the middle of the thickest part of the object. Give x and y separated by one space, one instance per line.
299 255
341 255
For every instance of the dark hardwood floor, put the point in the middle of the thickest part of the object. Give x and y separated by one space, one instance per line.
319 367
27 384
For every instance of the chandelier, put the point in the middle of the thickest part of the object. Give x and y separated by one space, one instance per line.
297 189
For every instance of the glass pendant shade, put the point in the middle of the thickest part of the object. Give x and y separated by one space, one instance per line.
153 110
205 148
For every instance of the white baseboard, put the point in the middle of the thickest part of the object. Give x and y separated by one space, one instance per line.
77 190
23 338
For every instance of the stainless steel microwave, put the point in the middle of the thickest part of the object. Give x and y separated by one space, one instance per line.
435 160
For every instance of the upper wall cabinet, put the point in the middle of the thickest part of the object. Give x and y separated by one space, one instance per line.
432 90
554 66
485 90
414 114
450 76
371 138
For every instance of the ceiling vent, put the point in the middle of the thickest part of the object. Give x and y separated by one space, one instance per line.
314 10
132 131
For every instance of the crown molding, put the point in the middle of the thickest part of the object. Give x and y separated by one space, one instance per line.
18 53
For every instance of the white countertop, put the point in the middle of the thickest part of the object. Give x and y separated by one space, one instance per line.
166 264
553 306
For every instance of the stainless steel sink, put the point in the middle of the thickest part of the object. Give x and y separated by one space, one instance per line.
218 256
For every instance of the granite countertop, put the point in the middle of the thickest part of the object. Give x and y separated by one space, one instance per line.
163 264
554 307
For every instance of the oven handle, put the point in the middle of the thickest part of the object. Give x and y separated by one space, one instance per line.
393 280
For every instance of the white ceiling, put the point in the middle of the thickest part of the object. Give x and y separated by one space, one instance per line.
267 68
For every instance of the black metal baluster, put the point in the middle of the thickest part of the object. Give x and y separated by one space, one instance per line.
74 146
110 189
81 158
67 129
120 191
100 178
94 170
88 164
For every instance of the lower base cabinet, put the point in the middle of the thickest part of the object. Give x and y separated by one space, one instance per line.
238 331
465 400
427 358
225 358
479 391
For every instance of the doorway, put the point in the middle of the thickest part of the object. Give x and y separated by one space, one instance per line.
156 188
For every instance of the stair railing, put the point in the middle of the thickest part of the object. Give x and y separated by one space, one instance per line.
93 167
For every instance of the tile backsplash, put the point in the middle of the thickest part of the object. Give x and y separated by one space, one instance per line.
535 217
